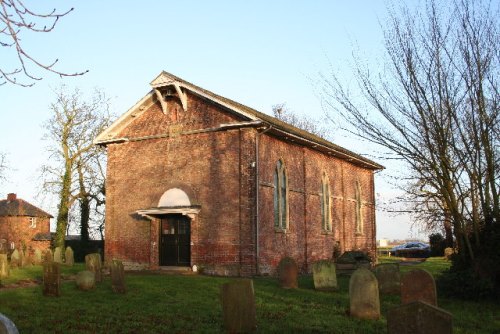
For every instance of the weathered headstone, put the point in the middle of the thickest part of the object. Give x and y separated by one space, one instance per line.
23 258
348 262
448 252
51 279
419 318
287 273
47 256
58 255
418 285
69 256
363 295
117 276
37 258
15 259
85 280
93 263
388 277
7 326
324 275
238 306
4 266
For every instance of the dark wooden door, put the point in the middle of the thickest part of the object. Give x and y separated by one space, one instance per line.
175 241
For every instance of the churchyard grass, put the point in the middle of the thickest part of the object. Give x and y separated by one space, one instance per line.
190 304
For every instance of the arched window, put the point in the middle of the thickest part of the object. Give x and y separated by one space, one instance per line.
359 211
326 207
280 196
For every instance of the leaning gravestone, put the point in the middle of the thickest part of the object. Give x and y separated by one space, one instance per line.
85 280
389 278
69 256
419 317
93 263
287 273
51 279
4 266
15 259
117 277
418 285
58 255
238 306
7 326
324 275
37 258
363 295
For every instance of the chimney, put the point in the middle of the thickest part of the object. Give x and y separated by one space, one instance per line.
11 197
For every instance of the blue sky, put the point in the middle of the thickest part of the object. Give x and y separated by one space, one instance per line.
258 53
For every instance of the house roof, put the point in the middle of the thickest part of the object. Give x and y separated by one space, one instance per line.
253 117
13 206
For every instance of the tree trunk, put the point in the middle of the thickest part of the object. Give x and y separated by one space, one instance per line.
63 214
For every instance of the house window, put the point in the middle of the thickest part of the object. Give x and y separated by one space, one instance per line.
280 196
359 211
32 222
326 206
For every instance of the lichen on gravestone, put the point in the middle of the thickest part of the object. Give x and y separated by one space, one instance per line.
51 279
418 285
85 280
117 277
388 277
324 275
364 295
58 255
287 273
15 259
93 263
238 306
69 258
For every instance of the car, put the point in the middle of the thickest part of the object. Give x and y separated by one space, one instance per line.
412 249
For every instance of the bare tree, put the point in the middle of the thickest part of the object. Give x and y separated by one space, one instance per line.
283 113
3 166
436 107
77 174
16 20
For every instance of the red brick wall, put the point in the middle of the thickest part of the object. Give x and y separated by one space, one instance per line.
217 169
19 230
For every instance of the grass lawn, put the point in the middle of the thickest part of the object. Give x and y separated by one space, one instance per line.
190 304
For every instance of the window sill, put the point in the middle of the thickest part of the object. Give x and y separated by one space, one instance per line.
359 234
280 230
325 232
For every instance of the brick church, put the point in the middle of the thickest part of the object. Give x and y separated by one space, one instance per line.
194 178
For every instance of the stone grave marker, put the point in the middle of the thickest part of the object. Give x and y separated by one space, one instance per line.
51 279
24 258
418 284
58 255
85 280
419 317
117 277
69 256
93 263
324 275
287 273
363 295
47 256
15 259
389 278
7 326
37 258
4 266
238 306
448 252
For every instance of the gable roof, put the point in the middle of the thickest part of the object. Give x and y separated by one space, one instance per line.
251 116
17 207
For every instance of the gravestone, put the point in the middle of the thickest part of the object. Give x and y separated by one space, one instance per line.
15 259
23 258
324 275
58 255
287 273
448 252
37 258
85 280
348 262
419 317
117 276
47 256
418 285
238 306
51 279
363 295
4 266
69 256
7 326
93 263
389 278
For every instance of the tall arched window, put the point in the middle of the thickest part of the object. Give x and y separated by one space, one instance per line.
326 207
359 211
280 196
